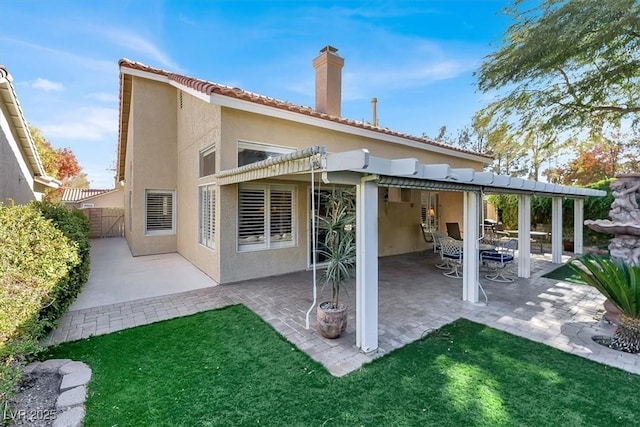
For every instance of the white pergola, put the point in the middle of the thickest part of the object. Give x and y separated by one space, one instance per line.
367 173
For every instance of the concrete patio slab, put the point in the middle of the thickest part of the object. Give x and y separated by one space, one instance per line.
117 277
414 299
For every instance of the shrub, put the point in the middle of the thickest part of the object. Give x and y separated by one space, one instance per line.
35 258
75 226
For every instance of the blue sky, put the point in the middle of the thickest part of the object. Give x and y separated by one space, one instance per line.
416 57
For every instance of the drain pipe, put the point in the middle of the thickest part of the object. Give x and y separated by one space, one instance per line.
313 243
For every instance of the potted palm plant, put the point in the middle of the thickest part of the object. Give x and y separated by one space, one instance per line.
619 282
337 225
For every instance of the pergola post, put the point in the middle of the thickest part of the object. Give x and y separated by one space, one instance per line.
524 236
578 220
556 230
367 265
470 273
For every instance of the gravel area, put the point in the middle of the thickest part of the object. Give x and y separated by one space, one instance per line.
35 403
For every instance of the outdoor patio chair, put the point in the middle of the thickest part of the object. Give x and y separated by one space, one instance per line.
497 260
453 230
444 264
452 252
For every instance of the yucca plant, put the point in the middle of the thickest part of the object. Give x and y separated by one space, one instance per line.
620 283
339 245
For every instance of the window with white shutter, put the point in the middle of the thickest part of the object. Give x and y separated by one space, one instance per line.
207 221
159 212
266 217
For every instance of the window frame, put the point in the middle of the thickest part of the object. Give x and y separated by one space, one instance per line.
201 155
210 242
267 242
258 146
161 232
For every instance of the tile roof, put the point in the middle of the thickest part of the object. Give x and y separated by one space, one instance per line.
15 117
71 195
209 88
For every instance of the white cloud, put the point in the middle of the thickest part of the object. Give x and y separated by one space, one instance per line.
137 43
47 85
90 124
68 58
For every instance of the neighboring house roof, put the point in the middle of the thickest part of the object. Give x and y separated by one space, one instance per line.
212 92
76 195
16 118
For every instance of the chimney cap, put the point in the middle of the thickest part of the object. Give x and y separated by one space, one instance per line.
328 48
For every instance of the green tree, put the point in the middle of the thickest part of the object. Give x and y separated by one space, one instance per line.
567 64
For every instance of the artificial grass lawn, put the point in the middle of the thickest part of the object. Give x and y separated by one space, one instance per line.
228 367
565 274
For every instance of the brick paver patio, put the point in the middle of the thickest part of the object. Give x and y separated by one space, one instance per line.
414 298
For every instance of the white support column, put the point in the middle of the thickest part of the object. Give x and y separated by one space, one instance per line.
367 265
556 230
578 222
470 274
524 236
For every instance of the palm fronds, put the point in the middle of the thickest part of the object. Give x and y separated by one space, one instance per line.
616 280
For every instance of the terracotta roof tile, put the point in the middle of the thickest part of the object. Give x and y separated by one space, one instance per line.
78 194
209 88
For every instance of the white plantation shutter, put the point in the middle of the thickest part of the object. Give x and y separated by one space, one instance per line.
281 218
265 217
207 229
159 212
251 216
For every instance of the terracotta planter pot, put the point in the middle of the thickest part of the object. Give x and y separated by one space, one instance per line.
331 323
567 245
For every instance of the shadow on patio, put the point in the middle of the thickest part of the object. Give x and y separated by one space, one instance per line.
414 298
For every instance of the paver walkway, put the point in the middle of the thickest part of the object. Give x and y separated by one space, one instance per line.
414 298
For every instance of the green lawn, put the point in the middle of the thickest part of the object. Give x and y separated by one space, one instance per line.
228 367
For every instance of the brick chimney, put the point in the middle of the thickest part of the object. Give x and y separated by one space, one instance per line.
328 67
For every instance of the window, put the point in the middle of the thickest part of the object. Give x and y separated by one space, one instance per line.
266 217
208 161
251 152
160 213
207 223
429 210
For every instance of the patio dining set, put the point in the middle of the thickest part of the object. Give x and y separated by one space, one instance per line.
495 253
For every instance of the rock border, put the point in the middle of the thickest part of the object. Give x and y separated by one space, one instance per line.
70 410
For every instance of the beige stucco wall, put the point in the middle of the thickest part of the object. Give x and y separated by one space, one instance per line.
170 130
112 199
152 125
198 125
398 223
240 125
16 177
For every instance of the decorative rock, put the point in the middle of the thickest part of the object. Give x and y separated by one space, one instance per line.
73 367
75 396
30 368
51 365
75 379
70 418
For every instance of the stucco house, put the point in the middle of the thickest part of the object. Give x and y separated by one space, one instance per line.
227 178
22 176
93 198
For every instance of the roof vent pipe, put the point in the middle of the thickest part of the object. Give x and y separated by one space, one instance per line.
374 106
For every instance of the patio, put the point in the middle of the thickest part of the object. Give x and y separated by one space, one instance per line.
414 298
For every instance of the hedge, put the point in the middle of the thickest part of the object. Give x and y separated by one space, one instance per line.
594 208
43 264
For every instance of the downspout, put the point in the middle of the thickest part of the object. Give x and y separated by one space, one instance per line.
313 243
